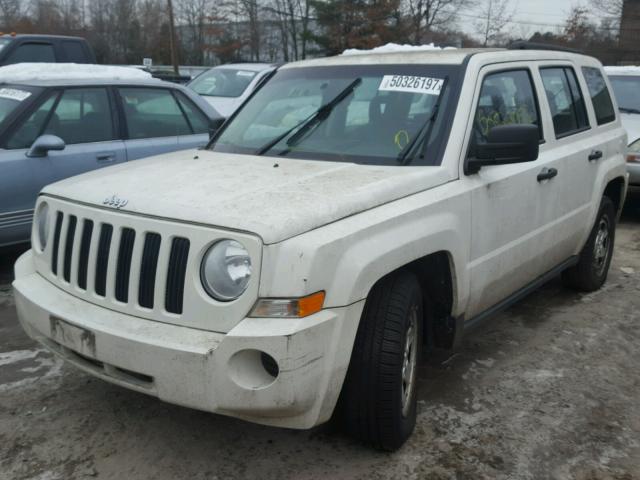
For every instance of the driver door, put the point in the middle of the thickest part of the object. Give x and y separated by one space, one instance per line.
512 206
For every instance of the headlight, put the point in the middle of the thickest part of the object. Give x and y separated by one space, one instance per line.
226 270
42 225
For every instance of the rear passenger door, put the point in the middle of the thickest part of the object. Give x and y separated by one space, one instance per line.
155 122
576 148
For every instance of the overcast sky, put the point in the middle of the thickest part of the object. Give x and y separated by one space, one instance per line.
528 12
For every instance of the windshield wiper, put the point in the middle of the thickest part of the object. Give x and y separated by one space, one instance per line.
312 120
629 110
403 157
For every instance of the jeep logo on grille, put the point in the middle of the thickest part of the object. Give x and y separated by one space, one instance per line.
114 201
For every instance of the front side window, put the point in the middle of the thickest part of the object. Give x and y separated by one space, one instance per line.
599 95
626 88
32 52
152 112
33 126
10 99
565 100
506 98
223 82
369 114
83 115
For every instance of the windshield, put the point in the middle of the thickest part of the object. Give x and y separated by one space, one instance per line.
376 113
627 91
10 100
4 42
222 82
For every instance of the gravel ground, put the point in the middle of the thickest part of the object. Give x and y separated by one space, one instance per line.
547 390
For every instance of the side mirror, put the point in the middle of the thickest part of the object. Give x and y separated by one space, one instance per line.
215 125
44 144
505 144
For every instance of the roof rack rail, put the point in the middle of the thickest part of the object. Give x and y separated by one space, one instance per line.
524 45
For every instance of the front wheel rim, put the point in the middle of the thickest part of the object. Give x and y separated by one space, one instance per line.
409 361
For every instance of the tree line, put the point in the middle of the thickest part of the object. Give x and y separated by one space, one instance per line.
221 31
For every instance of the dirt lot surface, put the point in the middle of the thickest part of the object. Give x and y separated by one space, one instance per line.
550 389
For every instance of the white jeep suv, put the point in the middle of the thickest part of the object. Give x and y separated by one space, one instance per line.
355 213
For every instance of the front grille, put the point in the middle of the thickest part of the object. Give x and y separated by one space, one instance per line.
108 262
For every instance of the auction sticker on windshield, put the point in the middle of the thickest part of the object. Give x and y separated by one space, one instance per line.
411 84
14 94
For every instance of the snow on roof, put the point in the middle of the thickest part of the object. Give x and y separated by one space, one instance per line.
25 72
626 70
394 47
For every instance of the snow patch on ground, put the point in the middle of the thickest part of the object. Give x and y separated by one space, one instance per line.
395 48
24 72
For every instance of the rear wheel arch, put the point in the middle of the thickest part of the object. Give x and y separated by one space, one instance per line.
615 191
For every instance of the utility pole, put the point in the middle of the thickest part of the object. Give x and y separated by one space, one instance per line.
172 40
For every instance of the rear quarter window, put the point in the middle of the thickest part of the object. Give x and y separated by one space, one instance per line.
600 96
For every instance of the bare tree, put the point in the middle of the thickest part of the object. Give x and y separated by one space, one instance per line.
427 15
10 12
608 7
494 16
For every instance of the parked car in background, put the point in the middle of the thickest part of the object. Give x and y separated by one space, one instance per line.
626 88
44 48
59 120
227 86
355 212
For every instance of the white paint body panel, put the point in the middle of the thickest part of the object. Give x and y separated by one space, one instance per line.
312 226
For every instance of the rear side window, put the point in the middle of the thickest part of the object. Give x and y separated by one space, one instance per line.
74 51
152 112
565 100
506 98
32 52
599 95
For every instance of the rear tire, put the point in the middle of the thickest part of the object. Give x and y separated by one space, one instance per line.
590 273
379 395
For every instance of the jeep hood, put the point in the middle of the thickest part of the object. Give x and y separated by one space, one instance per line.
275 198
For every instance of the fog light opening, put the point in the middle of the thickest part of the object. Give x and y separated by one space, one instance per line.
253 369
269 364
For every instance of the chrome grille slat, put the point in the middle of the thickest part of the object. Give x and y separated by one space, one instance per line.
69 239
123 267
148 270
113 262
83 253
102 259
177 269
56 243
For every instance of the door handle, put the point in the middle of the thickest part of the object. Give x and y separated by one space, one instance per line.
595 155
105 157
547 174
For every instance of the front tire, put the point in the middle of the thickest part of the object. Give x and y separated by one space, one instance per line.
590 273
379 396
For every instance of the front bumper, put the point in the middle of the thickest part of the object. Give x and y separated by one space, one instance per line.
221 373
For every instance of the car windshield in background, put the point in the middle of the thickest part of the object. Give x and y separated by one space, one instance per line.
223 82
4 42
627 92
10 99
368 114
